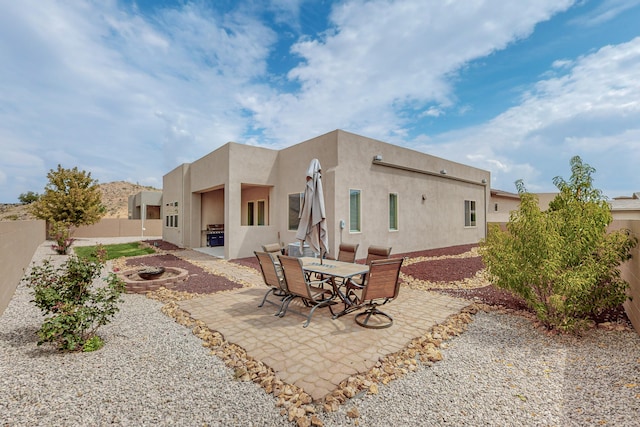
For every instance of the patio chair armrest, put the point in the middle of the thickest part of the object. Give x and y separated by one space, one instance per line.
351 284
319 283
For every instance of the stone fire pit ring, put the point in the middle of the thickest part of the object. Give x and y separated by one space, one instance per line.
168 277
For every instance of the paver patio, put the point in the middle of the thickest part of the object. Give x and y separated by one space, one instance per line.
319 357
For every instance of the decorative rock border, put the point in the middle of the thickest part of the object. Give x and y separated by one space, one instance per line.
143 286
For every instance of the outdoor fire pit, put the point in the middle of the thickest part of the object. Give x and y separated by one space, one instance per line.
150 273
144 279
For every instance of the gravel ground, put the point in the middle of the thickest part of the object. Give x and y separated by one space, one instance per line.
152 371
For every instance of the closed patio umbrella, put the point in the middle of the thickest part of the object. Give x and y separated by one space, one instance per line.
313 223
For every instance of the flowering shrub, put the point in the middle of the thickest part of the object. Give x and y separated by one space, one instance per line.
74 306
60 233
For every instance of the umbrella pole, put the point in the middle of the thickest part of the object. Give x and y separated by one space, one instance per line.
320 243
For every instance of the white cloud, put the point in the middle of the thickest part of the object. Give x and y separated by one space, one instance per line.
606 11
124 94
82 82
381 57
593 111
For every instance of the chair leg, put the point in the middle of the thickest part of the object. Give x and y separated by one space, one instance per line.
322 304
367 316
266 295
282 309
286 306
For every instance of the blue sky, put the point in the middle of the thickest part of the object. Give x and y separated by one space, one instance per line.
128 90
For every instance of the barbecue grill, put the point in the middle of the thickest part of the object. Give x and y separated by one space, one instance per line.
215 235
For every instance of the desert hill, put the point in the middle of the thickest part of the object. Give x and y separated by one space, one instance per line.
115 198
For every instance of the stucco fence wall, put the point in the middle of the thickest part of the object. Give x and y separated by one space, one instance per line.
631 273
119 227
20 239
18 242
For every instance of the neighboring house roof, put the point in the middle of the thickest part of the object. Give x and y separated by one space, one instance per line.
500 193
625 204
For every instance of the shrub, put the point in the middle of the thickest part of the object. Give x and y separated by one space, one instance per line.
28 197
562 261
74 307
60 233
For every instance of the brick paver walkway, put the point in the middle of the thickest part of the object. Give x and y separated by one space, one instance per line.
319 357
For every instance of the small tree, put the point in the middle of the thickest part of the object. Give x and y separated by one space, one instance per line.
76 306
71 198
28 197
562 262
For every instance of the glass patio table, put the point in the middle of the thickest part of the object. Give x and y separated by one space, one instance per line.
338 272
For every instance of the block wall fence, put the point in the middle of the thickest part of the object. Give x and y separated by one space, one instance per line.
20 239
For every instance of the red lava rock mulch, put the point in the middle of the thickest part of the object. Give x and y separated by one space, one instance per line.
445 270
451 250
199 280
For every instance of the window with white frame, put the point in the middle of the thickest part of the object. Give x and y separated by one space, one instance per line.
295 204
354 211
256 212
393 211
469 213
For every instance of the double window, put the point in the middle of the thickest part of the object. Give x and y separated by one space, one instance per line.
256 212
469 213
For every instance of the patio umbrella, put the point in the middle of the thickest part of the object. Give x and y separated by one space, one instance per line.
313 223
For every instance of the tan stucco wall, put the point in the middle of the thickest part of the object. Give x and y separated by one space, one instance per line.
631 273
120 227
500 208
252 173
18 242
172 191
436 221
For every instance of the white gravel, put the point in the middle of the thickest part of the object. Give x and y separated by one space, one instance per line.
153 371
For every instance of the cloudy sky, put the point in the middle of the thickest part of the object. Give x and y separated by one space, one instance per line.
128 90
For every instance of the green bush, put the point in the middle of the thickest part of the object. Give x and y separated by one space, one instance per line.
74 307
60 233
562 261
28 197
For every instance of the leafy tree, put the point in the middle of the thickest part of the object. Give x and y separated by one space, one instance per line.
71 198
562 261
28 197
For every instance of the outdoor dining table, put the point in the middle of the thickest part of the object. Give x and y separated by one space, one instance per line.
338 272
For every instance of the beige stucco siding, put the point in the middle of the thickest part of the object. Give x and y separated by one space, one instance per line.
434 222
230 177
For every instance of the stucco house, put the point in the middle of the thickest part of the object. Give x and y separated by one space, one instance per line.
145 205
626 208
375 194
502 203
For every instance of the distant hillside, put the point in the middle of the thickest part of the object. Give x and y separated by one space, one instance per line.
115 197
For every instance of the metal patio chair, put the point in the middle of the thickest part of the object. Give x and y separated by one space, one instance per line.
373 253
312 293
347 252
274 279
381 286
